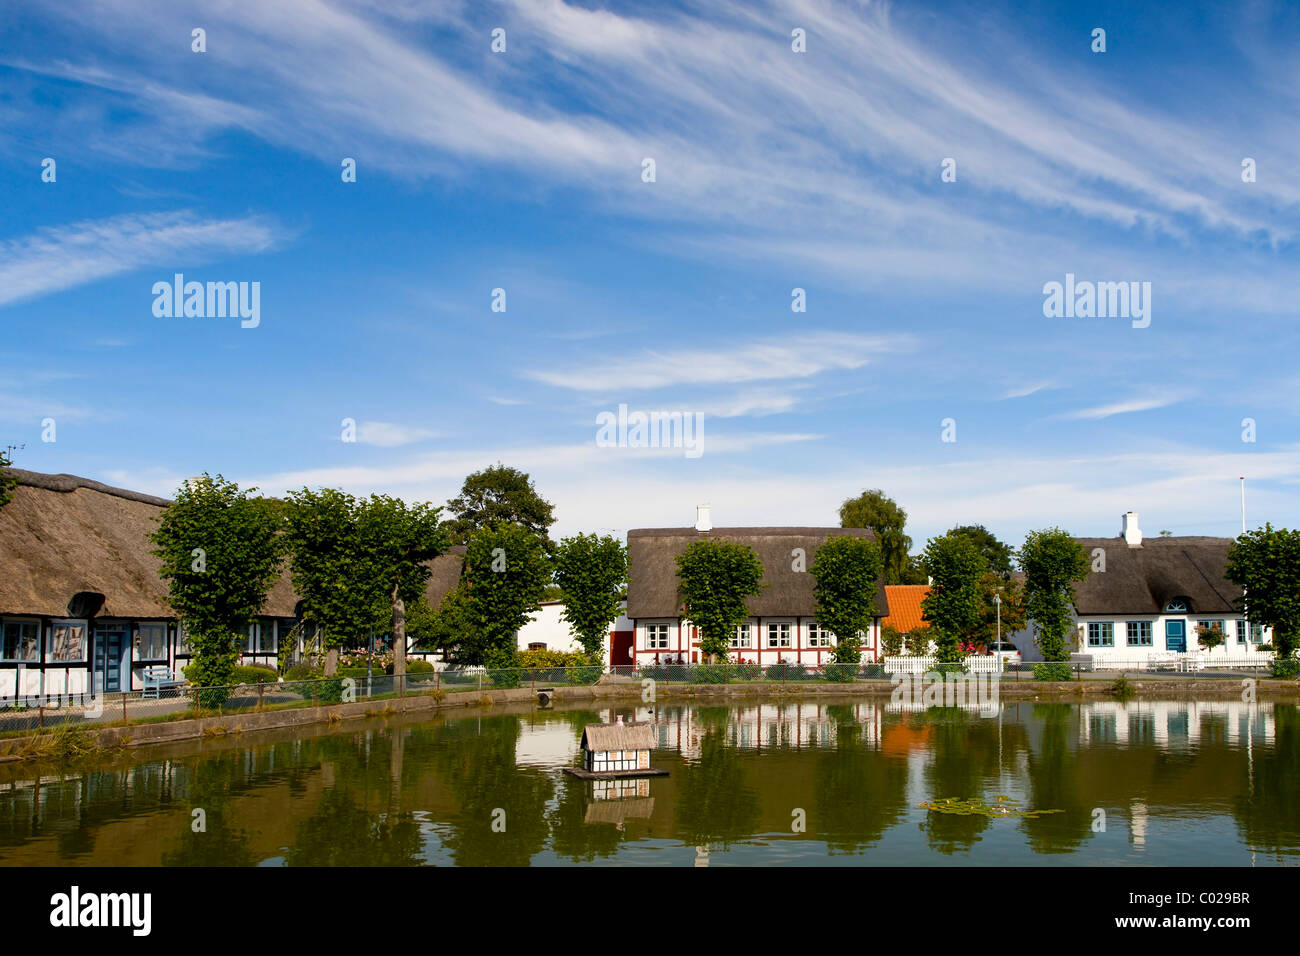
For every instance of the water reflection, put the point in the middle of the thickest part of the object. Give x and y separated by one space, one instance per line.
1171 782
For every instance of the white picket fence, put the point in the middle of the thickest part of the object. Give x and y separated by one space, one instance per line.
1181 661
923 665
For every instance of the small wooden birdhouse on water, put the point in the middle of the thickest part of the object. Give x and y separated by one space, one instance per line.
617 750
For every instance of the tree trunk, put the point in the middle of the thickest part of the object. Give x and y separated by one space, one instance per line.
331 662
399 639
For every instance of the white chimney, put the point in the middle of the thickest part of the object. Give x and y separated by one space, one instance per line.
1131 532
702 520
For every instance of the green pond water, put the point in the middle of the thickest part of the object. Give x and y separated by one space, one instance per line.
850 783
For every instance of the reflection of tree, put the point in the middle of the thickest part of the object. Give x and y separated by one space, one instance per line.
340 833
963 756
714 804
222 843
860 793
1269 817
1054 784
479 769
571 836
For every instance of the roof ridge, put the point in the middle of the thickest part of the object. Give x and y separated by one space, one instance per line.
65 483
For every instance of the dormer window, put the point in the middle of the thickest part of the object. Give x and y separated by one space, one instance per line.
1178 605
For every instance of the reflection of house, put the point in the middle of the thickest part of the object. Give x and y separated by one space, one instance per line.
782 626
80 595
795 724
1146 598
1174 724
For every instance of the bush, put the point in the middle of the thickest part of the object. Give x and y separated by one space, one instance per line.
653 672
252 674
586 674
1286 669
414 665
1053 670
747 671
786 672
874 670
450 676
504 677
840 673
951 667
711 674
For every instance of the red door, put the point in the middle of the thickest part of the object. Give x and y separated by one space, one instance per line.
620 651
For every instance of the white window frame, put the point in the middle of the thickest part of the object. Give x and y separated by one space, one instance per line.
4 623
744 637
85 641
654 631
783 634
139 641
818 636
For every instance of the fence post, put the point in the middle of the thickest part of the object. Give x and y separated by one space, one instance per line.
123 706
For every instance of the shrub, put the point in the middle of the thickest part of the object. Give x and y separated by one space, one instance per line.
786 672
414 665
747 671
451 676
252 674
874 670
951 667
586 674
1286 669
652 672
1053 670
711 674
504 676
329 691
840 673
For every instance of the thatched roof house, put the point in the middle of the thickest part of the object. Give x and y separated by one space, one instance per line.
620 736
783 616
80 589
1145 578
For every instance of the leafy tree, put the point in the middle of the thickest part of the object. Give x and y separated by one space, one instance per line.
498 494
1013 608
997 554
874 510
914 572
952 606
1265 564
7 480
1052 562
341 593
591 571
846 570
220 551
891 641
714 580
506 573
397 540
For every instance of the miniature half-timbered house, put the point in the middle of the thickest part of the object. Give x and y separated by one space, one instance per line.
619 748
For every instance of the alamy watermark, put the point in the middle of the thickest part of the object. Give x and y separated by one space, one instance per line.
935 689
684 430
212 300
1101 300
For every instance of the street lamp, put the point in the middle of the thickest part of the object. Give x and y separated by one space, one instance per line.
997 601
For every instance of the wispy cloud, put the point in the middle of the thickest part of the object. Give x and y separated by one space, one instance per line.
798 355
1136 404
63 257
391 435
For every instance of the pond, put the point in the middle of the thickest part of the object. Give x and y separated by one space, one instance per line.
854 782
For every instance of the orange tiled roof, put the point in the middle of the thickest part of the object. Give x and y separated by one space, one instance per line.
905 607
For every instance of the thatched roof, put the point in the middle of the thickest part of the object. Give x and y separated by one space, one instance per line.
1144 579
634 736
652 553
62 535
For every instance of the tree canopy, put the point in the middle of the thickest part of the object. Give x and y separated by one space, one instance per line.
997 554
1052 561
846 571
875 510
714 580
1265 563
499 494
591 572
952 605
220 552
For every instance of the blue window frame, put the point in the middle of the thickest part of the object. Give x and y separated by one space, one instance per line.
1101 634
1139 634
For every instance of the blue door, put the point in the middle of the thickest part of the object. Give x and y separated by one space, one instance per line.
110 659
1175 635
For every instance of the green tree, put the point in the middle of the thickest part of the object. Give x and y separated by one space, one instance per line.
891 641
591 571
397 540
1052 561
506 573
1265 564
997 554
220 552
847 571
1013 608
874 510
498 494
714 580
952 605
342 596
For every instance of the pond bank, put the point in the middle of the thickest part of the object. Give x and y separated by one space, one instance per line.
202 728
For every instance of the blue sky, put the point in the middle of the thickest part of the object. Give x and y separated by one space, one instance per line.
775 170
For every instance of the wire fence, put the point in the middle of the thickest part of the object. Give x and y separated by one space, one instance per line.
176 700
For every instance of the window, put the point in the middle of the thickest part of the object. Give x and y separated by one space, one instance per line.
1256 635
1177 606
151 642
818 636
1139 634
183 648
266 640
778 635
537 646
1101 634
21 642
656 636
67 641
744 637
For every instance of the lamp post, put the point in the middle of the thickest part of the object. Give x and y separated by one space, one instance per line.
997 602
